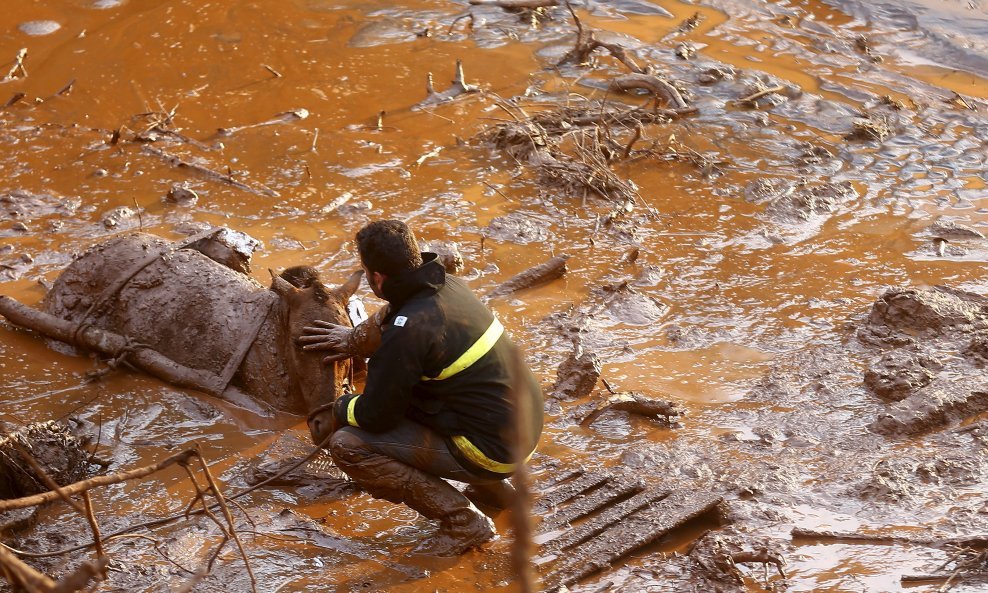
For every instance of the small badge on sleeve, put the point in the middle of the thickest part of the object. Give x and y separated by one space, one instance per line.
400 320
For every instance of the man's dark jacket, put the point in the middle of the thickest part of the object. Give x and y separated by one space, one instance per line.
432 320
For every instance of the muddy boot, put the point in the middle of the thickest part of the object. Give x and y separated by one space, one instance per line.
461 525
496 495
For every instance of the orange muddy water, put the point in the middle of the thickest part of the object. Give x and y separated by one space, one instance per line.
743 285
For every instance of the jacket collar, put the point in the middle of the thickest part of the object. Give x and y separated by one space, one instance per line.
427 278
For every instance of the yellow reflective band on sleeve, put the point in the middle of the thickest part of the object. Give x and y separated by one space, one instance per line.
350 418
476 456
474 353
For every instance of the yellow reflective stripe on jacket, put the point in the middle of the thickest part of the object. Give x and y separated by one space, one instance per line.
474 353
350 418
476 456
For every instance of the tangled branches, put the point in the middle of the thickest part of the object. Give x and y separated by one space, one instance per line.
572 147
23 577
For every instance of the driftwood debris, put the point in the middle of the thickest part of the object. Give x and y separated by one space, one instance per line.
573 146
753 98
458 87
173 160
587 42
115 345
654 84
537 275
636 403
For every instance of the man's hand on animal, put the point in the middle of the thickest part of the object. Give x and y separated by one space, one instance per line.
323 335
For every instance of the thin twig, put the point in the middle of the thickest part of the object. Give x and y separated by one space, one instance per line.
229 517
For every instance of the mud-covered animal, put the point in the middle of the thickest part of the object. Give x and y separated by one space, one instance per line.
204 315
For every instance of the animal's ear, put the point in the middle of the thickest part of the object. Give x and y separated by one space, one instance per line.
282 287
350 286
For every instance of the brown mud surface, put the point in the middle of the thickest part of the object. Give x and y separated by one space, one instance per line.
763 259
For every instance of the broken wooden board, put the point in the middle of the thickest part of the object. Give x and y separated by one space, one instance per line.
591 520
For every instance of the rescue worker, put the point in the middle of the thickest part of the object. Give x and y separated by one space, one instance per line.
443 384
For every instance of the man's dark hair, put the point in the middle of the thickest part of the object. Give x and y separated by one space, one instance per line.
388 247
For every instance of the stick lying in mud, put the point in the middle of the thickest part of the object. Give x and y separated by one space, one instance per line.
281 118
210 174
587 42
18 66
516 4
635 403
150 361
754 97
649 82
972 541
534 276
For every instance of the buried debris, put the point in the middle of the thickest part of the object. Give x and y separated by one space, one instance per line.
458 87
718 557
592 520
577 376
543 273
636 403
260 190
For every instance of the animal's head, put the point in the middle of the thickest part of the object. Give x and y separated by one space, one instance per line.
305 299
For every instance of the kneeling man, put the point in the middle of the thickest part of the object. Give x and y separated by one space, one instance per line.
443 386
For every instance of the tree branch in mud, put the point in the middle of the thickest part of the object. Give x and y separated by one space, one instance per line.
656 85
636 403
971 541
210 174
587 42
545 272
104 342
754 97
572 146
281 118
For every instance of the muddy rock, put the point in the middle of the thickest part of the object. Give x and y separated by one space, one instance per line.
938 404
899 373
977 350
449 254
115 217
577 376
518 228
931 311
952 231
806 203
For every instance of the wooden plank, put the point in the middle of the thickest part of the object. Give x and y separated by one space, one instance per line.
637 530
567 491
601 522
584 505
